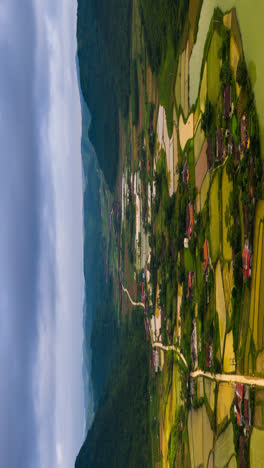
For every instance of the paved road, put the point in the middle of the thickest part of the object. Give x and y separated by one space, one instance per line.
136 304
231 378
157 344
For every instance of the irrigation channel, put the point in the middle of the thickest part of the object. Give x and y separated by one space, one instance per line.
231 378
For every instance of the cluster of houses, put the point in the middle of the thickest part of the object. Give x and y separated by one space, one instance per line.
242 411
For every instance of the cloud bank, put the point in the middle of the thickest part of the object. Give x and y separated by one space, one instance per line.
41 236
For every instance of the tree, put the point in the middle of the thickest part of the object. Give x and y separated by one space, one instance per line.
241 73
225 74
207 117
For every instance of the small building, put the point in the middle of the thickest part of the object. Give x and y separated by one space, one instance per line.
189 219
210 154
206 256
209 355
247 260
238 402
219 144
227 103
194 345
156 360
243 133
190 283
185 174
186 242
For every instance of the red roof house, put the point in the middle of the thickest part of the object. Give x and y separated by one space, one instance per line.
206 255
247 260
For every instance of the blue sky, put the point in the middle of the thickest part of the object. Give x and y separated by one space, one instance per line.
41 237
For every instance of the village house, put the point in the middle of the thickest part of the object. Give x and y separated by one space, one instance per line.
238 403
189 219
206 256
227 103
185 174
219 144
247 260
190 284
210 154
209 355
244 141
194 346
247 411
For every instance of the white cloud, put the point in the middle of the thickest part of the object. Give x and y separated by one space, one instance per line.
61 298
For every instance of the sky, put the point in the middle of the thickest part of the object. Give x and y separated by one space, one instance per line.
41 236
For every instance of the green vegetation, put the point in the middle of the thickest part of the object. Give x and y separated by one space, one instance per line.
104 60
214 219
119 435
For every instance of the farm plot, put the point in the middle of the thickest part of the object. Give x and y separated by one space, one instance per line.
220 305
229 355
201 167
203 89
224 447
209 388
256 304
228 285
204 189
185 130
260 363
224 400
259 410
257 448
214 219
213 68
200 437
227 187
198 141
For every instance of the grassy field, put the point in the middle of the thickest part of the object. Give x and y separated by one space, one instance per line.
260 363
220 305
177 89
200 436
224 400
204 189
259 409
213 68
228 285
203 89
165 85
209 388
224 447
198 141
214 219
257 448
188 260
227 187
229 355
257 284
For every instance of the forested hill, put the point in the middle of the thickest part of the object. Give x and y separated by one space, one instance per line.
103 36
120 434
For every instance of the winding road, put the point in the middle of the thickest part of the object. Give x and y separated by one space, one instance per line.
230 378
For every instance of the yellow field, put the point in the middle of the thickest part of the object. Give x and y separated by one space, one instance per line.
220 305
257 448
203 89
224 447
260 362
211 460
204 189
185 130
232 463
200 436
258 417
234 59
209 388
200 387
227 187
214 219
198 141
229 355
257 284
178 85
228 285
224 400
